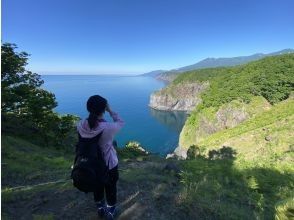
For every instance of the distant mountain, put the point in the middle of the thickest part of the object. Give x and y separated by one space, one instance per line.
154 73
233 61
214 62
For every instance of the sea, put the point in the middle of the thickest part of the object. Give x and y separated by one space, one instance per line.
157 131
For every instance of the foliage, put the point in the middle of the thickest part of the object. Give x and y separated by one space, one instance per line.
193 152
58 131
285 209
223 153
134 145
271 77
200 75
26 104
260 178
255 182
21 92
132 150
65 133
277 113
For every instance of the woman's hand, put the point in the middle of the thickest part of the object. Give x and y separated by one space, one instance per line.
108 108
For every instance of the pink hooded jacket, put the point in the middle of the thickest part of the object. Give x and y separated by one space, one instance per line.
105 142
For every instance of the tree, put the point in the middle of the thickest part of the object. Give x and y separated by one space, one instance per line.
21 92
25 103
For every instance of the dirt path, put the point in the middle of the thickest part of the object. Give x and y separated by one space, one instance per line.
146 190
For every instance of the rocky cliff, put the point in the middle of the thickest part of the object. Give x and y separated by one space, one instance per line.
180 97
212 120
167 77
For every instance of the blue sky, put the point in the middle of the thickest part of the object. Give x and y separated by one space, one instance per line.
137 36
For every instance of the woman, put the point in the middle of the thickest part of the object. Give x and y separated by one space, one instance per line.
92 126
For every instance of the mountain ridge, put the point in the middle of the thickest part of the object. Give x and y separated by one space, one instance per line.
211 62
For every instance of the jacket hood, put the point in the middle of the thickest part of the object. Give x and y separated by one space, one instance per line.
85 131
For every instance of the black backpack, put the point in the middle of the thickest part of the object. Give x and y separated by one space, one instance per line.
89 170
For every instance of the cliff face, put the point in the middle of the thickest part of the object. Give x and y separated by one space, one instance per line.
167 76
204 123
181 97
233 96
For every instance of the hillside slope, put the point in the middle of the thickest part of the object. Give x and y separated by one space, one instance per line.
149 187
36 185
236 95
261 151
267 128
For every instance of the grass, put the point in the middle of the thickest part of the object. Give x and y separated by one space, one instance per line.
27 192
239 87
218 189
24 162
136 175
210 189
203 121
258 183
221 188
276 122
43 217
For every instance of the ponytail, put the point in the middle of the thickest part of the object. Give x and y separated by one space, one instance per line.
96 106
92 120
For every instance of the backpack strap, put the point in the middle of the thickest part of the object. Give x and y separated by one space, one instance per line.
93 139
82 142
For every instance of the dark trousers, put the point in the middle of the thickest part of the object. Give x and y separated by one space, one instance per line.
109 188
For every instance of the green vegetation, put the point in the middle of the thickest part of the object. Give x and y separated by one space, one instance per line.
249 110
217 189
132 151
24 101
239 166
23 162
282 113
271 77
236 88
28 170
36 183
259 179
31 132
203 122
201 75
258 182
216 186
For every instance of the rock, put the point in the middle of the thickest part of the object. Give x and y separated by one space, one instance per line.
168 78
180 153
178 98
142 150
230 116
170 156
268 138
136 146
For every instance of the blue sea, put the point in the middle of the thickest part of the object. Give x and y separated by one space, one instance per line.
157 131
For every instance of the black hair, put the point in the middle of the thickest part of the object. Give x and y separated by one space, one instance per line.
96 105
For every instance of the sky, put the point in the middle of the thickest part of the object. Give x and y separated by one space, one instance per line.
137 36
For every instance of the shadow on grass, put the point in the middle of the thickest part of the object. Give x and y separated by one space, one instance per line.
214 189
